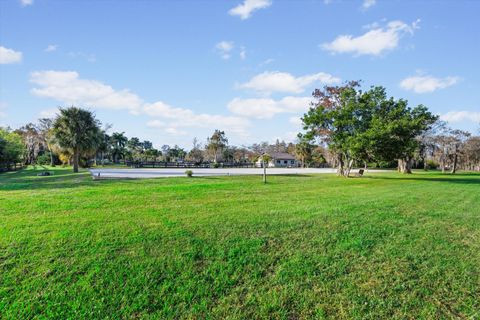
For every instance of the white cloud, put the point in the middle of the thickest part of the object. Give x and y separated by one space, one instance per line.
87 56
285 82
8 56
51 48
245 9
69 88
424 84
224 48
243 53
48 113
368 3
183 118
268 61
460 116
373 42
266 108
25 3
296 121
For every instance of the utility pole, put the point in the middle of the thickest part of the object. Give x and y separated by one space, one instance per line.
264 169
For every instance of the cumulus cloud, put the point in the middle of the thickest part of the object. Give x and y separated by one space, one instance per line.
461 116
275 81
266 108
175 117
425 84
374 42
368 3
51 48
224 48
69 88
8 56
25 3
247 7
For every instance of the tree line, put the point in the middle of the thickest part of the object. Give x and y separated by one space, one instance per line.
75 137
344 127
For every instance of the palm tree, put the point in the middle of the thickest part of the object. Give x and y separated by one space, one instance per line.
119 141
78 131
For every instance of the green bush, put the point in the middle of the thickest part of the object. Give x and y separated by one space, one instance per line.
44 159
430 164
189 173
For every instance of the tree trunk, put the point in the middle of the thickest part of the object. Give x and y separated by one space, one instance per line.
340 166
75 161
405 165
346 174
454 166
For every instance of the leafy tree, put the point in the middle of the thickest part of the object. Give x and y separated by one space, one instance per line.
78 131
216 143
303 150
151 153
45 126
11 147
196 153
336 118
33 142
459 138
362 126
394 128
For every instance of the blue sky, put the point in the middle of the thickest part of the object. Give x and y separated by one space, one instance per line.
169 71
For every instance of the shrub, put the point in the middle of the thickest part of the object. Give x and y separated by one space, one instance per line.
44 159
189 173
430 164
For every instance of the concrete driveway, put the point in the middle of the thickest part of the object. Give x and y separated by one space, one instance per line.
201 172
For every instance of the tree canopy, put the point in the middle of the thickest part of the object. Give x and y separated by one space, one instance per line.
361 126
77 130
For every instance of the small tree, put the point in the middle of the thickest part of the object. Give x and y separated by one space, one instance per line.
459 138
45 126
77 130
11 147
303 150
216 143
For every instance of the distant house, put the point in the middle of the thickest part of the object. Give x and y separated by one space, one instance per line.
279 160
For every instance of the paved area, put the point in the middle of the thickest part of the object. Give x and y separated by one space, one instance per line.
174 172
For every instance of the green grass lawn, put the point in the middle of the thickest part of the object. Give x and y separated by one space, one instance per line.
379 247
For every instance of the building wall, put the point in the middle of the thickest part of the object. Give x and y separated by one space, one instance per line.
277 164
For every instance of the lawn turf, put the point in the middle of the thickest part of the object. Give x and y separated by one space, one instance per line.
300 247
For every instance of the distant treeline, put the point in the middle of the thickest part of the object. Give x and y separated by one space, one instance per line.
344 127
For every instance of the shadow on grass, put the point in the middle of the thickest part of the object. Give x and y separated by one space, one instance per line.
28 179
459 178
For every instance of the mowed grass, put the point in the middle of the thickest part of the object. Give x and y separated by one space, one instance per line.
385 246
